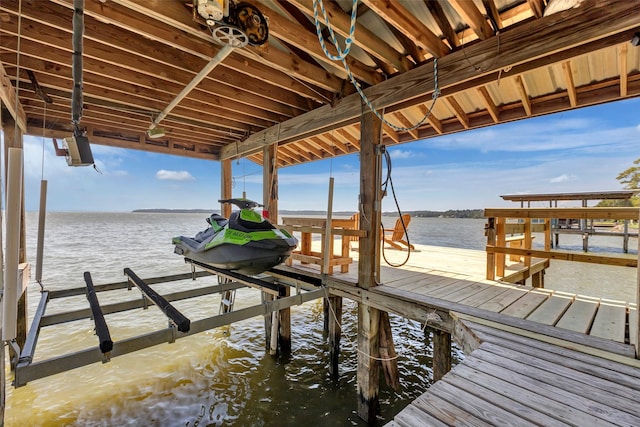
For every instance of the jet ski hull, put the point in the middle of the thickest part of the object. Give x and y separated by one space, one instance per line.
248 259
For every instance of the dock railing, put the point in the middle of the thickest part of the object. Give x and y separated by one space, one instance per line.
506 225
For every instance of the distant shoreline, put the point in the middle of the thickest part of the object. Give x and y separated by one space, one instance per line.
460 213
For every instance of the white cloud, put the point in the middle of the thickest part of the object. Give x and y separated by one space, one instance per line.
401 154
563 178
163 174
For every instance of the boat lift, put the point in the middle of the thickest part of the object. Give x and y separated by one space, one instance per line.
179 325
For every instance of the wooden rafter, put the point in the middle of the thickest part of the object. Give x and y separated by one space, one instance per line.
395 14
296 35
470 13
193 39
457 110
9 100
402 118
571 87
537 7
443 23
488 102
524 96
365 39
538 42
391 133
493 14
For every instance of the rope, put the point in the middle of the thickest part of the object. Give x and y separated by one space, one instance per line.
354 345
348 41
342 57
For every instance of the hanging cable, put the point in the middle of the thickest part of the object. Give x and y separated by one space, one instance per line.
385 184
342 57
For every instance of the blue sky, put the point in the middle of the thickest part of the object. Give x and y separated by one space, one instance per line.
580 150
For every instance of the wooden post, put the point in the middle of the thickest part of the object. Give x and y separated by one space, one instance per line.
268 318
441 354
13 139
491 241
368 373
270 202
225 187
500 241
335 333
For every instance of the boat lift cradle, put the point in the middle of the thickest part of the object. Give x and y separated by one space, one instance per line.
27 369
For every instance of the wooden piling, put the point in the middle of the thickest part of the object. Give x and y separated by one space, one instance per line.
335 332
441 354
368 372
388 354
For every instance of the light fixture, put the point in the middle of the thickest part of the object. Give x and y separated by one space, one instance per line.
155 132
635 40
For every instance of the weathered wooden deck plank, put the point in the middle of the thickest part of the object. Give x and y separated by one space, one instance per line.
600 402
433 281
486 411
623 370
517 409
503 300
551 310
558 370
512 389
610 322
411 416
490 292
523 306
456 286
521 410
579 316
466 292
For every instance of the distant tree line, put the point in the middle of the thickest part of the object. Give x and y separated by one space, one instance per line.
458 213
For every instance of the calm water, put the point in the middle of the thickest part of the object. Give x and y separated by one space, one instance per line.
221 377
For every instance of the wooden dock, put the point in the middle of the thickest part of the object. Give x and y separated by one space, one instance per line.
521 379
533 356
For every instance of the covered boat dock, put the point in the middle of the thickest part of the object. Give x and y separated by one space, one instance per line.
162 77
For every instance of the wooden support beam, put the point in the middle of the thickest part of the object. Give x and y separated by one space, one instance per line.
8 100
488 102
624 78
470 14
539 42
368 372
13 139
571 87
524 96
441 354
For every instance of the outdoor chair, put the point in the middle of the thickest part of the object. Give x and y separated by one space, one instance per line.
395 236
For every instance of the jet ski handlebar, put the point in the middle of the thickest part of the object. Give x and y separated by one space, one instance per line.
242 203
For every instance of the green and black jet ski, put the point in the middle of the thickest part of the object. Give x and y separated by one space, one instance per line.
246 242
